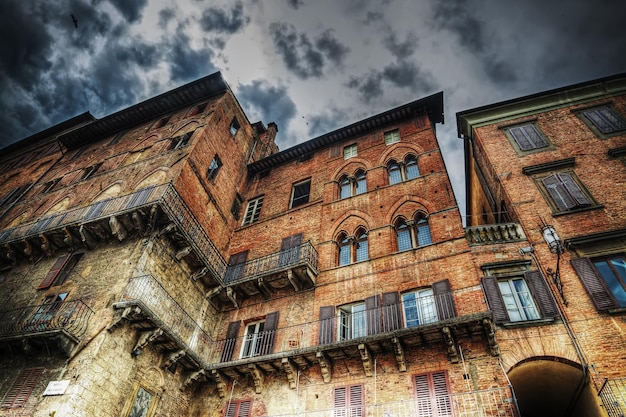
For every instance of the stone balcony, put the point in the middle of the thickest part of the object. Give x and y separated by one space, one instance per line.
489 234
158 208
59 325
323 342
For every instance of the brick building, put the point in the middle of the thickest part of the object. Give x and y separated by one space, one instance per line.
168 259
552 167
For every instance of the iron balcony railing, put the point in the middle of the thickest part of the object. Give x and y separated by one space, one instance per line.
613 396
70 317
493 402
163 195
343 327
301 255
488 234
155 302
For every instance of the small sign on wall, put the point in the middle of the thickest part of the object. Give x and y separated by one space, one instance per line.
56 387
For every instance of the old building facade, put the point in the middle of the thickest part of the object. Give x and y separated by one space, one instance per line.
168 259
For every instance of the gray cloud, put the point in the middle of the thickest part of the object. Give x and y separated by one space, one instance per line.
215 19
326 122
331 47
165 16
131 10
186 63
400 50
369 86
295 3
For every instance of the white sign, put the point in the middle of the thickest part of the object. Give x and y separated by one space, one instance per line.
56 387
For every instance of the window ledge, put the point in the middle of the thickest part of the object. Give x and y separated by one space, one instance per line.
616 311
591 207
528 323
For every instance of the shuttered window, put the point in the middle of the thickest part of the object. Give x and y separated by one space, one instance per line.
603 279
565 192
432 395
253 211
240 408
606 119
231 340
22 388
527 137
54 272
348 401
300 193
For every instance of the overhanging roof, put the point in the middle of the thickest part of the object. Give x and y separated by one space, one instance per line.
150 109
431 105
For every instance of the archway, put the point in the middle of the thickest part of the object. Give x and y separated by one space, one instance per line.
553 387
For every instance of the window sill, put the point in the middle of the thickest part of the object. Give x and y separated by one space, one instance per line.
528 323
617 311
588 208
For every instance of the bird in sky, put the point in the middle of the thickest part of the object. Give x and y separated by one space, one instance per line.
75 21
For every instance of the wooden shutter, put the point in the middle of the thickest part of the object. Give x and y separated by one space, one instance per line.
422 393
443 300
595 285
494 299
432 395
348 401
52 274
392 312
557 192
372 315
574 190
231 341
13 195
522 141
269 333
542 294
238 409
22 388
527 137
236 267
290 250
327 325
442 403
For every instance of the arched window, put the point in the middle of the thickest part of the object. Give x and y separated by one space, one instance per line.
349 186
412 233
353 248
403 171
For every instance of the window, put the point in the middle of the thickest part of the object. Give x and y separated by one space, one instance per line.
259 337
605 120
161 122
49 186
143 403
432 395
353 249
349 186
90 171
238 408
22 387
13 195
214 167
392 137
565 192
300 193
290 250
45 314
117 137
234 210
234 127
527 137
604 278
348 401
413 233
419 308
350 151
236 267
180 141
200 108
253 211
352 321
403 171
520 297
60 271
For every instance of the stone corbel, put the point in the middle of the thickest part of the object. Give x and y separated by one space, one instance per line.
199 273
152 218
366 358
196 376
182 253
168 228
490 331
87 237
232 296
127 314
453 354
138 222
117 228
147 337
46 245
398 350
173 358
291 369
257 377
220 382
293 279
264 288
326 366
28 251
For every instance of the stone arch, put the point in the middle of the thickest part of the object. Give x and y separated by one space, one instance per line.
399 151
153 377
349 222
60 205
156 177
153 138
190 126
111 191
350 166
407 206
20 218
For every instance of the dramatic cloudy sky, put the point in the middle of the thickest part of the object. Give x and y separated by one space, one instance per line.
309 65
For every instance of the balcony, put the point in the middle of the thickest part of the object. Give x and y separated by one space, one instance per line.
361 335
489 234
492 402
62 323
162 322
613 396
295 267
153 208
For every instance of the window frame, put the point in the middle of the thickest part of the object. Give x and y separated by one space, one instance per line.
240 408
234 127
349 400
516 301
214 168
569 194
593 126
392 136
418 229
351 321
60 270
527 130
350 186
352 248
432 394
302 199
132 400
399 172
22 388
421 309
350 151
251 343
253 210
595 284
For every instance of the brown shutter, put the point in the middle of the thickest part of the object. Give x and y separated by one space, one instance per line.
269 333
372 314
574 190
290 250
231 341
236 267
521 139
392 312
355 402
422 394
494 299
542 294
22 388
443 300
244 409
595 285
440 390
327 325
558 193
432 395
54 271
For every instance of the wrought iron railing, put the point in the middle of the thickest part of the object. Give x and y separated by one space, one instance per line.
71 317
494 402
488 234
164 195
613 396
150 296
342 327
301 255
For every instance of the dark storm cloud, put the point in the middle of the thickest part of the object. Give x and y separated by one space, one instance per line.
295 3
300 55
369 87
328 121
270 102
371 17
131 10
399 49
166 16
216 19
187 64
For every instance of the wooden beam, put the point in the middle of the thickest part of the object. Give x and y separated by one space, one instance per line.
264 288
